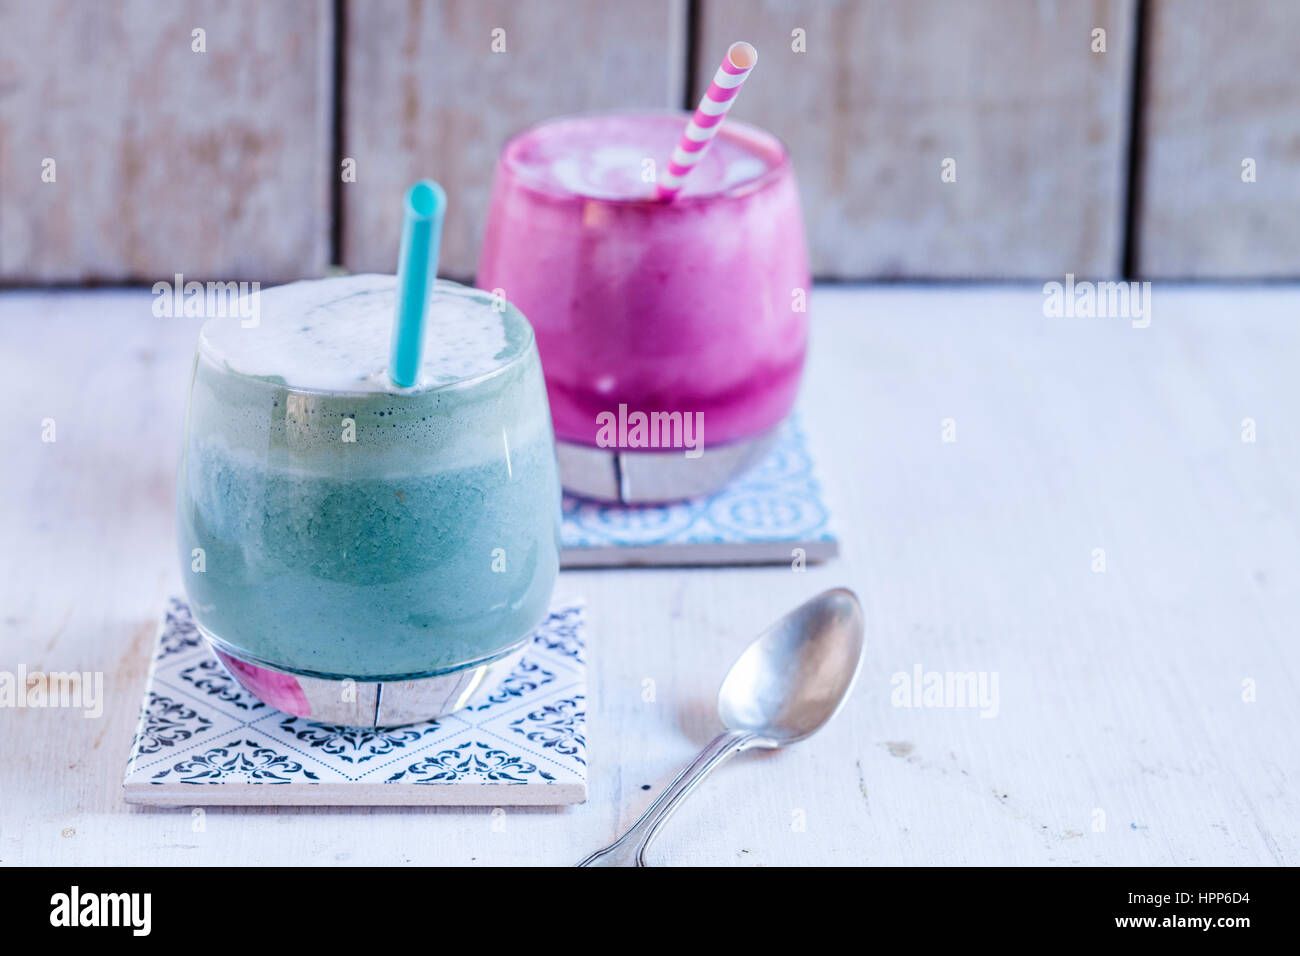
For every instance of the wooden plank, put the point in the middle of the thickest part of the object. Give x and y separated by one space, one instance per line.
426 95
1221 89
1119 692
167 160
1010 89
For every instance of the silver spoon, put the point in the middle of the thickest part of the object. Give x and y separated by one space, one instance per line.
787 684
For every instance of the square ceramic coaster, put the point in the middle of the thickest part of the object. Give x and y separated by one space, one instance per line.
203 740
762 517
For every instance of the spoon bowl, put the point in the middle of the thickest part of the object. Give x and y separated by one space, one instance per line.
795 675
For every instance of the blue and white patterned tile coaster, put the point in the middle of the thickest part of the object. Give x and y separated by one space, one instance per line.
204 740
760 518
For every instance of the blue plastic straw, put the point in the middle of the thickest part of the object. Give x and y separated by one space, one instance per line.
417 271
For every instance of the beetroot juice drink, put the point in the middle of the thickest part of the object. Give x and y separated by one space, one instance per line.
689 312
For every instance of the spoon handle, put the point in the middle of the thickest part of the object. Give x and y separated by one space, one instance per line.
629 849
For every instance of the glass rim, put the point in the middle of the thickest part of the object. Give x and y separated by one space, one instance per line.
527 347
769 177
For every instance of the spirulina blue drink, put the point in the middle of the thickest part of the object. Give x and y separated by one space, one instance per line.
335 527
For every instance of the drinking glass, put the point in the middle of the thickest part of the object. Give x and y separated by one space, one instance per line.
691 313
358 553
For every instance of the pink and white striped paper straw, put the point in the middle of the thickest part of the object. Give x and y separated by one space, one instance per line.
736 65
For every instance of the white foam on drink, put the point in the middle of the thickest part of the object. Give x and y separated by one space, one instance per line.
306 391
610 156
608 172
335 335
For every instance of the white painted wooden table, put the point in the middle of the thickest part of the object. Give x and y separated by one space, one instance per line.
1121 736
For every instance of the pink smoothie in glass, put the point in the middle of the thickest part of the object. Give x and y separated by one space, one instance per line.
691 306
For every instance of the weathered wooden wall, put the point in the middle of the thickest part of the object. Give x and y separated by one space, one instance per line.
426 95
166 160
222 164
1035 121
1222 86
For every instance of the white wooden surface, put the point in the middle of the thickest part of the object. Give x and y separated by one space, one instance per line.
1120 692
